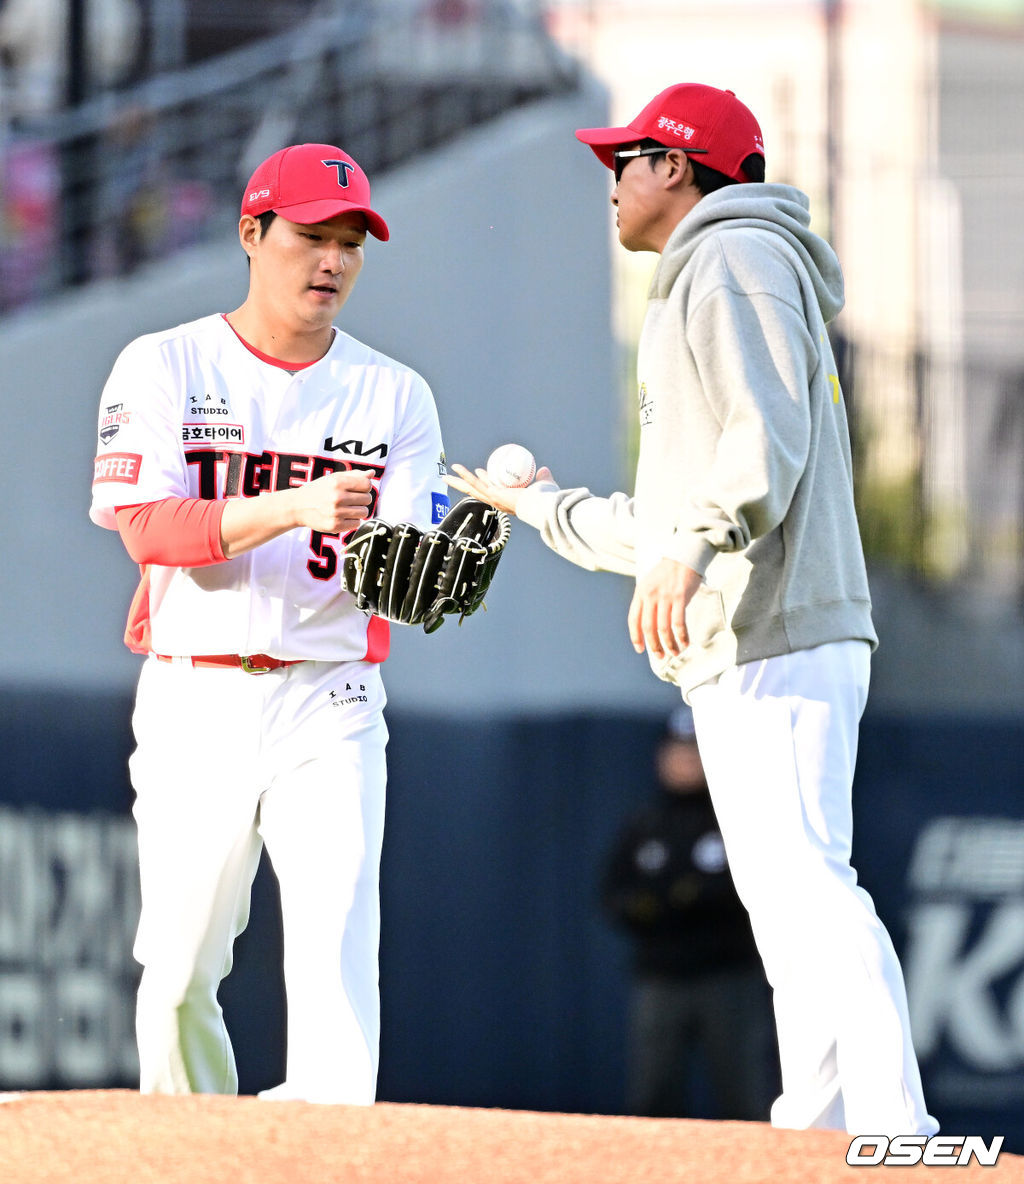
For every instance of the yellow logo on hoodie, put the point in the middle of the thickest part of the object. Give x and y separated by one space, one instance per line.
833 378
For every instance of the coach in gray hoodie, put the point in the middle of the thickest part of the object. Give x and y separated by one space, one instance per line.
751 592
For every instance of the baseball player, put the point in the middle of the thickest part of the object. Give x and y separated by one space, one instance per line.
236 453
751 593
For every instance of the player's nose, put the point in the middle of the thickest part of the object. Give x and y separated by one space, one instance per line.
333 259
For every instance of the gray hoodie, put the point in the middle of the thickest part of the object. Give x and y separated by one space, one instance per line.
744 471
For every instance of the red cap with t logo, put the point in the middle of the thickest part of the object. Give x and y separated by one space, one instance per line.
308 183
712 124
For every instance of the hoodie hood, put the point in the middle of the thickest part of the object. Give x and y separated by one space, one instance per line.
779 210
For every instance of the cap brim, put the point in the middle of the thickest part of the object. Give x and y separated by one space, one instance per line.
604 140
306 213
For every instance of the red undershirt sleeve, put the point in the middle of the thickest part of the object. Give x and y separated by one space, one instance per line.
175 532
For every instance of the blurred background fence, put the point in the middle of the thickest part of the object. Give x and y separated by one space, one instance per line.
100 180
127 129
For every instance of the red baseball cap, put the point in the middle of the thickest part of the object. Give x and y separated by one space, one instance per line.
710 123
310 183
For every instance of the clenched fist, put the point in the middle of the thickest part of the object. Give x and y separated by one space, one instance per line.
334 503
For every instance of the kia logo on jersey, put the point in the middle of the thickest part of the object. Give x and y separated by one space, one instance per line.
355 448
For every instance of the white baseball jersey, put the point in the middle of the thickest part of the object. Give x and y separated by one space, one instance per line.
192 412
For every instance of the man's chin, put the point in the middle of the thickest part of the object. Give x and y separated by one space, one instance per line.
635 244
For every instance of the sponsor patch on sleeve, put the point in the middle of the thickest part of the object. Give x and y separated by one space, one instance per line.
441 506
117 466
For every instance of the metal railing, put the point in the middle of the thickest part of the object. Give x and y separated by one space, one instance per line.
135 174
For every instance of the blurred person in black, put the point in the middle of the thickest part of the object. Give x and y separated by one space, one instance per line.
700 1035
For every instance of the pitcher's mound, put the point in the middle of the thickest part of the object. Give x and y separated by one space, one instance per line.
119 1137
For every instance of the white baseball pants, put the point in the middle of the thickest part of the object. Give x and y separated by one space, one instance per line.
778 739
227 761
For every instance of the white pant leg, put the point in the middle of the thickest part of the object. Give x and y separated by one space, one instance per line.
322 820
778 739
195 808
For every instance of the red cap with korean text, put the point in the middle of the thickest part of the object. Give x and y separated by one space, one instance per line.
712 124
308 183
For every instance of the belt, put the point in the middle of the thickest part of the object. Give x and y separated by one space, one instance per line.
250 663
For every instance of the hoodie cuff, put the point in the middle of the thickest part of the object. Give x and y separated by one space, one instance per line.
534 504
691 550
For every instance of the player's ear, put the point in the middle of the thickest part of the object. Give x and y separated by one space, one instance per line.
249 233
679 170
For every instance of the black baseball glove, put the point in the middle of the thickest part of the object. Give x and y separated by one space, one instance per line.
418 577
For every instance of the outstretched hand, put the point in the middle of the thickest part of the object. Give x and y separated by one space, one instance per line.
479 485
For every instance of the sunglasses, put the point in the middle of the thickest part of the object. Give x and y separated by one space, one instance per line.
621 155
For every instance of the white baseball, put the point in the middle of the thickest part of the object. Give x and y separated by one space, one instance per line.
511 465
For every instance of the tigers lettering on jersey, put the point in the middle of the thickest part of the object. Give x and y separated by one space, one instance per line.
221 473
